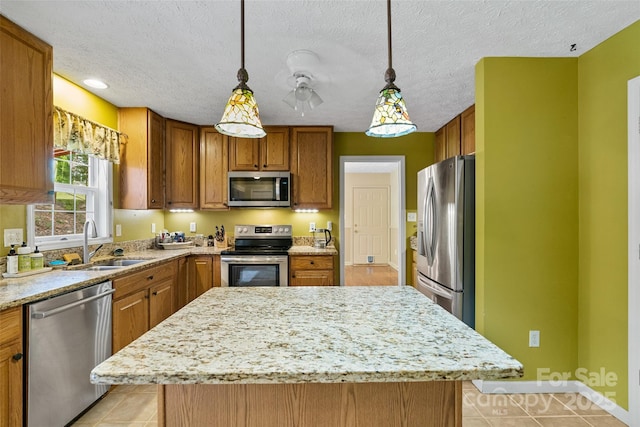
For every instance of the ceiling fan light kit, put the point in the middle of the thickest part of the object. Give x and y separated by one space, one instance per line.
241 117
390 117
303 97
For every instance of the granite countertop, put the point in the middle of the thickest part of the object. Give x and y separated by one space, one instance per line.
18 291
308 334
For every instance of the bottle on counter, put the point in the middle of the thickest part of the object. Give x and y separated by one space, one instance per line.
12 261
37 259
24 258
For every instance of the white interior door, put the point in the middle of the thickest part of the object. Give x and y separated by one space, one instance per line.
370 225
634 250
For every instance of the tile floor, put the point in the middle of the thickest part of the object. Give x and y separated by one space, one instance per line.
135 406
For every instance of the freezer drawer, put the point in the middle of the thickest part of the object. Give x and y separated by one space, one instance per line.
446 298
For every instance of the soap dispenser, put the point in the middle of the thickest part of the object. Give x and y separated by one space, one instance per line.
37 259
12 261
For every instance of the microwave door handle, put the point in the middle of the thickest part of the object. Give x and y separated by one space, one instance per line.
278 188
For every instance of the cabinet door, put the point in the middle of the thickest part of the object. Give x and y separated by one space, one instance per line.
181 291
440 147
217 275
312 167
141 159
200 275
468 130
274 149
182 162
214 165
312 278
130 318
11 384
26 120
244 154
160 302
453 137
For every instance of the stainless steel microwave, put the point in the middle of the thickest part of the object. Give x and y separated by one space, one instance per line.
259 189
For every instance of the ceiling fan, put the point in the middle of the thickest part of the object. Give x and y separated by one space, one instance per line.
303 96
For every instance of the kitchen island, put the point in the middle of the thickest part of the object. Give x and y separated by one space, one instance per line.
309 356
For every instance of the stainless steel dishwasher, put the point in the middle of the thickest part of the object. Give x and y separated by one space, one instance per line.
67 336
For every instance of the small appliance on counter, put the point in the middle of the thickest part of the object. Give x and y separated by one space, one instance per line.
321 238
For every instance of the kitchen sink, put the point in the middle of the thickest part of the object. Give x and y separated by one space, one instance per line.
103 267
118 262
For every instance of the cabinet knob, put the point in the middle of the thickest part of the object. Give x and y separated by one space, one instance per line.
17 356
155 293
168 203
264 166
153 200
150 277
311 262
255 166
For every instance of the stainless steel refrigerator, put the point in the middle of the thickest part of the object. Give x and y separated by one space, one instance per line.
446 235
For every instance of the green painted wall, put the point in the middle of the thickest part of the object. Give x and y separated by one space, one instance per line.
603 73
527 192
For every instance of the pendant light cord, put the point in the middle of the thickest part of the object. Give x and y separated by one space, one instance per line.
388 32
242 34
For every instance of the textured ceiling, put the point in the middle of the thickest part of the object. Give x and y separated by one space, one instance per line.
180 58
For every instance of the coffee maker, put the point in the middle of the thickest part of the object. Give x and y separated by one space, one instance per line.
321 238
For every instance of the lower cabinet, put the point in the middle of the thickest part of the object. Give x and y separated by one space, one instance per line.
311 270
11 367
204 273
141 301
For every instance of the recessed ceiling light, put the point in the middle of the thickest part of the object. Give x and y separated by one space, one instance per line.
96 84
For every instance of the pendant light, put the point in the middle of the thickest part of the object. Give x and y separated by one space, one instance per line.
241 117
390 118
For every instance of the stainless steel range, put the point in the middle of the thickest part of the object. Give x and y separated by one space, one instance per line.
259 257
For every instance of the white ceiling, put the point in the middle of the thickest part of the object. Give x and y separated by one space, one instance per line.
180 58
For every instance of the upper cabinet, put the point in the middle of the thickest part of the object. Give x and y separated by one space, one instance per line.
182 160
214 164
141 159
468 130
26 120
270 153
312 167
456 137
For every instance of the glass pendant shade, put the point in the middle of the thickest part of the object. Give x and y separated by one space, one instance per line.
241 117
390 118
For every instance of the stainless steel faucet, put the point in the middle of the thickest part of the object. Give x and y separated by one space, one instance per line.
86 255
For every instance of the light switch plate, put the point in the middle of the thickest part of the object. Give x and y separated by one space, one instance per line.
118 230
411 217
192 227
13 236
153 227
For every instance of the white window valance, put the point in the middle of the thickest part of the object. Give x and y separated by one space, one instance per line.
74 133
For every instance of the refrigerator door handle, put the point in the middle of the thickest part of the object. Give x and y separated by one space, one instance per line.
431 221
422 235
436 289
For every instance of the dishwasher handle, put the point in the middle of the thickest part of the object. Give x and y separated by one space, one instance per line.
43 314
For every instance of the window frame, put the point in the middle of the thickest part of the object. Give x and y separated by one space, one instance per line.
101 187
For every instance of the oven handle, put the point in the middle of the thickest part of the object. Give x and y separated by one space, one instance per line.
253 260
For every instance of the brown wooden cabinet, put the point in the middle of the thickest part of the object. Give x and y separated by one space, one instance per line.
214 165
182 165
468 130
311 270
456 137
270 153
142 300
141 159
440 145
181 293
11 357
312 167
204 273
26 120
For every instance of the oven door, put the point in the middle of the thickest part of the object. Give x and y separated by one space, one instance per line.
254 270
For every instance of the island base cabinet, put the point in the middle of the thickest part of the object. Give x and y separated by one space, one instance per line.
409 404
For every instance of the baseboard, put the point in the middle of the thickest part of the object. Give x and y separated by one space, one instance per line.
515 387
394 266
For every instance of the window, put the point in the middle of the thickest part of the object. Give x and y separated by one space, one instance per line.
83 191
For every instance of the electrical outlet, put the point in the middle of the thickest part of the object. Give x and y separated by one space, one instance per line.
534 338
153 227
192 227
312 227
13 236
118 230
329 225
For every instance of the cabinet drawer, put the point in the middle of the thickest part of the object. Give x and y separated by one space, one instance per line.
311 262
11 321
143 279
